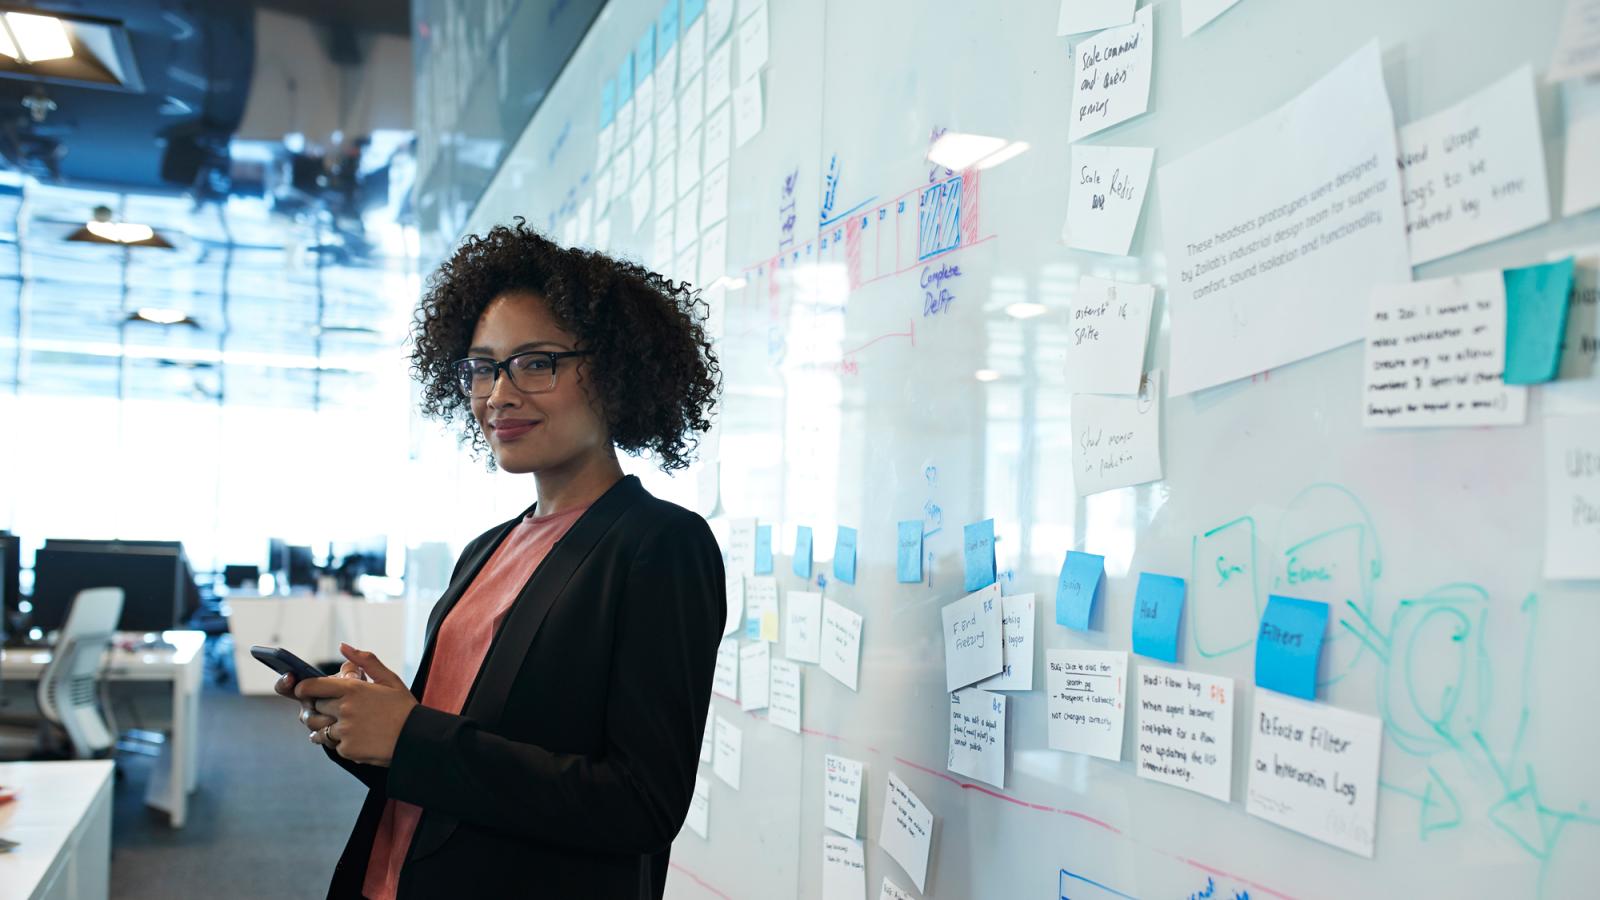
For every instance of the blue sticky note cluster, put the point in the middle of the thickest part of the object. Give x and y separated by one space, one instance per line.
1536 320
844 555
667 27
1288 645
1078 587
802 552
977 549
692 10
625 80
1157 609
763 549
908 552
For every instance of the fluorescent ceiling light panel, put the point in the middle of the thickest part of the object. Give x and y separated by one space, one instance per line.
41 37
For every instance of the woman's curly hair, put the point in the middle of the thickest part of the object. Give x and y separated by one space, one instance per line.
651 368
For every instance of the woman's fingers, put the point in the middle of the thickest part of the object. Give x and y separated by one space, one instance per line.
284 686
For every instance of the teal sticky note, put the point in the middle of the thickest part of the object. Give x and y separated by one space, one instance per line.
763 549
692 10
1157 609
1289 644
644 56
908 552
977 549
608 102
802 552
844 555
625 79
667 27
1078 587
1536 320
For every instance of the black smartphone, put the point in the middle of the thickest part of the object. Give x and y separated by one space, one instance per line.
285 663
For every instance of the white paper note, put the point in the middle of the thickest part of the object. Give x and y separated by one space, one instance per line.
734 587
1016 628
686 226
841 642
624 122
1314 769
714 196
1092 15
644 102
841 794
718 123
1107 326
978 735
1435 353
783 698
692 49
1186 730
753 44
691 106
707 737
719 13
640 203
1580 190
688 163
667 133
1197 13
754 662
1085 701
1577 50
1572 497
725 678
719 75
1107 186
604 144
727 752
844 869
661 242
1111 77
974 646
760 600
713 254
802 626
1273 230
741 552
907 832
699 820
892 891
746 112
1474 172
1116 440
665 193
666 78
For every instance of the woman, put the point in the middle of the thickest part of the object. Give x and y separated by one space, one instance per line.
567 672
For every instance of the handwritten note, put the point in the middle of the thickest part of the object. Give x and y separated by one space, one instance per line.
841 794
907 832
1085 700
693 48
977 552
1106 193
734 587
706 736
1198 13
844 869
1435 354
801 562
1111 77
1078 587
725 677
714 254
699 818
844 555
892 891
1314 768
1580 191
1580 345
1536 320
728 752
908 552
783 696
1572 496
1016 629
763 550
686 225
1107 325
973 643
1577 50
978 735
841 642
1474 172
754 672
1116 441
688 176
747 116
1186 730
719 14
714 196
719 75
1092 15
802 626
753 42
1157 611
1289 644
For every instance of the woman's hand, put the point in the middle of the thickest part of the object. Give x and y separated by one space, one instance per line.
313 714
367 714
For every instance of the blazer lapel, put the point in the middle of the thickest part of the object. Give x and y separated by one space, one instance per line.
452 593
487 699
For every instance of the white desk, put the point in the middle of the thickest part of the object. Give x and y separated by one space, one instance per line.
311 627
183 665
62 817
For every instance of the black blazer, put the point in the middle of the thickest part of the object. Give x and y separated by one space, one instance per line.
571 767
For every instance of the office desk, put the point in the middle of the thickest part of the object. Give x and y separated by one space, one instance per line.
311 627
174 777
62 817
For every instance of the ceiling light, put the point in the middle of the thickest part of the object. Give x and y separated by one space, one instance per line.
40 37
986 375
1008 152
72 49
1025 310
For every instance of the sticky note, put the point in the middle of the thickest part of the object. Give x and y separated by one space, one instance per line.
1084 691
625 81
728 753
763 549
1314 768
754 676
692 10
892 891
699 819
725 677
802 552
844 868
907 831
802 626
1572 496
608 102
783 694
977 548
1111 74
1016 629
841 794
1289 644
978 735
1186 730
667 26
908 552
973 647
841 643
1536 320
1078 588
1157 609
844 555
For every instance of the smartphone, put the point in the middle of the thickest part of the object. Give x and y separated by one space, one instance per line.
285 663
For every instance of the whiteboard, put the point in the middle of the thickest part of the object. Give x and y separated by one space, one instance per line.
847 404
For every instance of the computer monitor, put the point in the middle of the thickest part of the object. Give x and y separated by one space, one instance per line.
158 586
302 568
10 579
237 576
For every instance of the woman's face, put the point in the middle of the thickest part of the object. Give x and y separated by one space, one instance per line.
539 430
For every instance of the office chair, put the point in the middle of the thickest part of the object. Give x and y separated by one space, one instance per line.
68 694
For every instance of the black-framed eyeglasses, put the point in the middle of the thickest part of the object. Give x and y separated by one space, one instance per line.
531 371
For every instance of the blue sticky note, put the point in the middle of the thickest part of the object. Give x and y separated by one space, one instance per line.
1289 644
608 102
1078 588
908 552
667 27
763 549
802 552
625 79
844 555
1536 320
977 548
1157 607
644 55
692 10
